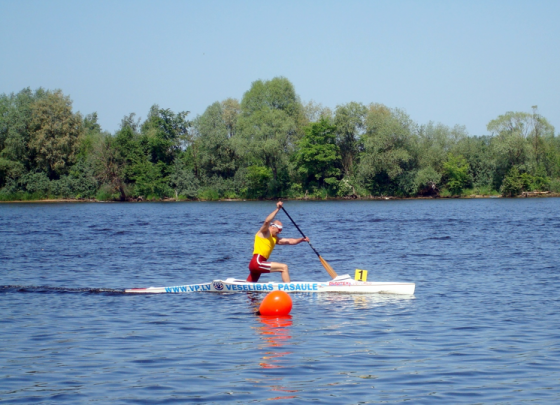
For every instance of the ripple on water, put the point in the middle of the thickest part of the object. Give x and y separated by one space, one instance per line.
482 327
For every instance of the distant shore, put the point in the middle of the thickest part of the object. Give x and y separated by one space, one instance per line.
535 194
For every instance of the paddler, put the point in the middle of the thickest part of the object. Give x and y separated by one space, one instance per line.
265 239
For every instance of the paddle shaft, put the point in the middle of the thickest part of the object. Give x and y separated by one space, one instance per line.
300 231
327 266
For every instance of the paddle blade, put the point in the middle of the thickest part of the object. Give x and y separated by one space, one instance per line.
328 267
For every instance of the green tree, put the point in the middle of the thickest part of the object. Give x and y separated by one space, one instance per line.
128 151
151 180
387 145
512 184
108 164
258 178
91 124
350 122
268 129
15 121
540 135
314 112
317 156
524 140
82 179
426 181
231 109
481 156
435 142
267 138
214 131
456 173
163 134
10 172
55 133
37 183
140 163
183 180
511 123
276 94
509 142
41 137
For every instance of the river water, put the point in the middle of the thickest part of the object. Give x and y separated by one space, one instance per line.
482 327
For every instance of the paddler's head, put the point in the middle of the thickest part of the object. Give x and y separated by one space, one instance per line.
275 228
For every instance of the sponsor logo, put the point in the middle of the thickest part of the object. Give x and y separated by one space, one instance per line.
339 283
297 287
219 286
271 287
249 287
188 288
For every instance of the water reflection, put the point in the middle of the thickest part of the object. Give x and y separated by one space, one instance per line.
275 334
363 301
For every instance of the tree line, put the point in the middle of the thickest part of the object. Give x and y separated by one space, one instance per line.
268 145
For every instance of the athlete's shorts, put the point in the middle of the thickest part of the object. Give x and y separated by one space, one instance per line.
257 266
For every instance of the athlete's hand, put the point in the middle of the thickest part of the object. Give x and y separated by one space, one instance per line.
306 239
279 204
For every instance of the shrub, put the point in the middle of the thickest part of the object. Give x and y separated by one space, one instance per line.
512 184
515 183
106 193
208 194
37 183
344 188
62 187
554 186
258 178
295 191
456 171
481 190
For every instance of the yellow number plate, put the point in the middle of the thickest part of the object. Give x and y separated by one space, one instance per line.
361 275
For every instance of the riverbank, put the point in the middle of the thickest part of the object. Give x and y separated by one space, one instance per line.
533 194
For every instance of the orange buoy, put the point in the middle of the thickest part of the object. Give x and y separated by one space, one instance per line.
276 303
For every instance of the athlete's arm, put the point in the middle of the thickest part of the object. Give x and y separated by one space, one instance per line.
291 241
269 219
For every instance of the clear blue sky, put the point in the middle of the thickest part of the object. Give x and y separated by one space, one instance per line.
454 62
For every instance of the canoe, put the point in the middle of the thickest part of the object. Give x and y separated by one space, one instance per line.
340 284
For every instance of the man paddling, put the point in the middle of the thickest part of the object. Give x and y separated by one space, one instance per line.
265 239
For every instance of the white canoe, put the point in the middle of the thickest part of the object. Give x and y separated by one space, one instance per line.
340 284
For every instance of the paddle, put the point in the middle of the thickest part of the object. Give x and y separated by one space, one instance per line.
327 266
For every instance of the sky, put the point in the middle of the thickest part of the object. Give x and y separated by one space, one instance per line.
452 62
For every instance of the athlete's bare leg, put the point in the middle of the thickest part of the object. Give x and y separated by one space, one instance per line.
283 268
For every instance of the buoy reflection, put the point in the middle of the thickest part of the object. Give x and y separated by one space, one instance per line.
275 333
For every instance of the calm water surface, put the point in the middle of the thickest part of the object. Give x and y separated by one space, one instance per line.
482 327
